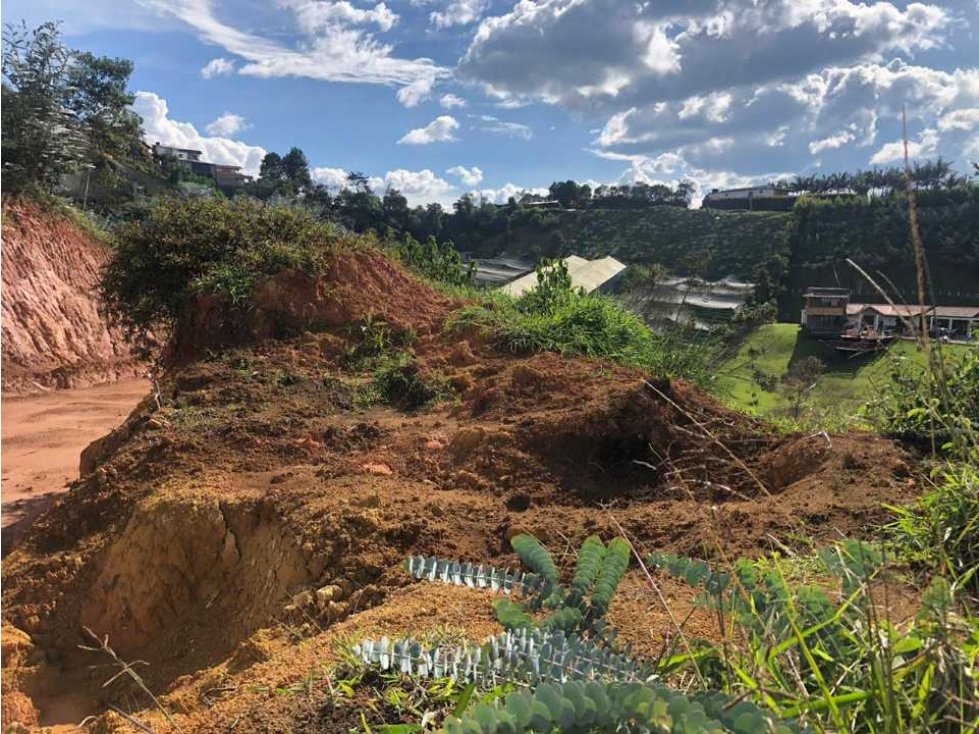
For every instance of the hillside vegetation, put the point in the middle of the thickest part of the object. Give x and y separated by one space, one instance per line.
753 378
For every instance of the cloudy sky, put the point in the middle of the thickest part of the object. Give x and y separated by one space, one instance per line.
442 97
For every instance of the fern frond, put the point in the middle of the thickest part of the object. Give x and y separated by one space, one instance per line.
613 568
589 564
518 655
535 556
476 576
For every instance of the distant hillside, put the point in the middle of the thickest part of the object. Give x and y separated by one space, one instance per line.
751 379
808 245
736 241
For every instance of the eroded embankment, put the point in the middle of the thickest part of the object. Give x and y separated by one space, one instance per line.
271 497
53 333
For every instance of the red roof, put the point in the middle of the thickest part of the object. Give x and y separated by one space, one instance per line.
887 309
907 311
957 312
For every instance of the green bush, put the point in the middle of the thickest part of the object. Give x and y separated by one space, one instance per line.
439 261
206 245
938 401
834 659
555 317
942 528
401 383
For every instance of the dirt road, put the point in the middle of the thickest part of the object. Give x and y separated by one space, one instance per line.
42 437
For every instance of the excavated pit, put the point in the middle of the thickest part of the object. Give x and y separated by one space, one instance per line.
262 502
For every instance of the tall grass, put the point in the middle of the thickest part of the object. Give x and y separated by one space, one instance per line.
556 317
819 639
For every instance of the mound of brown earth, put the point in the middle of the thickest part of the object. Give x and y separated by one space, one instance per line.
262 503
53 333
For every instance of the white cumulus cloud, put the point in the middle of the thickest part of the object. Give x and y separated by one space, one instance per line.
227 124
333 178
159 127
459 12
925 145
440 130
335 48
468 176
217 67
451 101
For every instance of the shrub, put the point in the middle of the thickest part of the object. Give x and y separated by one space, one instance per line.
206 245
438 261
400 382
834 660
556 317
938 401
942 528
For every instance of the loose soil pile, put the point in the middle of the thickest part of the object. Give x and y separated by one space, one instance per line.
258 504
53 333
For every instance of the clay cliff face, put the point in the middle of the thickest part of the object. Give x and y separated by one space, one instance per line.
53 334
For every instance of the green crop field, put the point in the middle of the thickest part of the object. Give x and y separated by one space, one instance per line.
751 379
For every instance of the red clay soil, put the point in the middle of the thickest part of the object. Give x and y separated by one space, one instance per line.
53 333
262 503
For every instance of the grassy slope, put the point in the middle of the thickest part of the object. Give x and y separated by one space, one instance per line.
844 387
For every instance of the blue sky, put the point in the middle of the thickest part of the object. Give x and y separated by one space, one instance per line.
442 97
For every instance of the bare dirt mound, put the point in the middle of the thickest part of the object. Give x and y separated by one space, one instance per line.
266 493
53 334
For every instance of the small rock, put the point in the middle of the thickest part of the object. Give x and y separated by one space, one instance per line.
377 469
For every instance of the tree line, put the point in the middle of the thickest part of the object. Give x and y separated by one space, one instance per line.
64 111
928 175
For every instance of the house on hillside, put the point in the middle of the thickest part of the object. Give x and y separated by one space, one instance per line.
589 275
227 178
825 311
749 198
886 318
961 321
161 151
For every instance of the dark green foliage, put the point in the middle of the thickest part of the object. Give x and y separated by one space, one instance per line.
941 530
590 557
439 262
555 317
579 706
939 401
41 139
510 614
64 110
583 606
835 661
401 382
205 245
614 564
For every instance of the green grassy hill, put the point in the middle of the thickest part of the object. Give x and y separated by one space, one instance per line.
750 380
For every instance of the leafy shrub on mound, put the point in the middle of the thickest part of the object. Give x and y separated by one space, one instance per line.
939 402
207 245
556 317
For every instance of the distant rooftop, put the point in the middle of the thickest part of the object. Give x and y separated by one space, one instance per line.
822 292
589 275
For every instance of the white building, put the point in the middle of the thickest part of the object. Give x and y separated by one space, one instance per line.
589 275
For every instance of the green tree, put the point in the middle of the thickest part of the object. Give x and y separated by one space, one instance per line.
40 138
296 168
799 381
272 169
100 101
